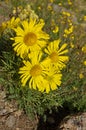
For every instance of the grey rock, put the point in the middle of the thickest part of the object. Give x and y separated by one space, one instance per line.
57 8
11 120
74 122
3 112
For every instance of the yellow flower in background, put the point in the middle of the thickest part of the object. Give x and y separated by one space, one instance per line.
84 62
28 8
84 18
66 13
49 7
72 37
69 2
60 4
84 49
75 88
81 76
29 37
56 54
51 1
27 13
69 31
10 24
39 7
38 76
71 45
19 9
56 29
14 11
13 22
33 15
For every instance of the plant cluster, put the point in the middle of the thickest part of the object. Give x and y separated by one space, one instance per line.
43 59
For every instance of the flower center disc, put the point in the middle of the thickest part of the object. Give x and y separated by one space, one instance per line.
30 39
35 70
54 57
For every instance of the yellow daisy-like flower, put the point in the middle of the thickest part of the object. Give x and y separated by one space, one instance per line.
13 22
32 73
53 77
56 53
38 75
29 37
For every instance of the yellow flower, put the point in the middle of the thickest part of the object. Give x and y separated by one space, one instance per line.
51 1
71 45
69 2
39 76
72 37
29 37
84 18
33 15
53 77
13 22
60 4
10 24
32 73
84 62
75 88
81 76
22 16
69 31
84 49
14 11
56 29
28 8
66 13
49 7
56 53
39 7
19 9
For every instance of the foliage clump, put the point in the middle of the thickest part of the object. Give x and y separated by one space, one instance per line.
43 59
